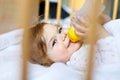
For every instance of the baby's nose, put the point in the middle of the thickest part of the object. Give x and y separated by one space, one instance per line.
62 36
65 30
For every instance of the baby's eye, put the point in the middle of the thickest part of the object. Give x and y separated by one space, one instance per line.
60 29
54 42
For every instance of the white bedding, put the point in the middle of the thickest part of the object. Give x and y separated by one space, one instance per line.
10 62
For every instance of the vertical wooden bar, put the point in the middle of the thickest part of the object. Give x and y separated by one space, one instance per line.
58 15
25 18
92 14
24 24
115 9
46 13
93 5
91 40
71 8
102 1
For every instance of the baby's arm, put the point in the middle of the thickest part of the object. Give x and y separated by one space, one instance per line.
101 32
103 18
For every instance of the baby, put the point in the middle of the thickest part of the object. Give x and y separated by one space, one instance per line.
50 43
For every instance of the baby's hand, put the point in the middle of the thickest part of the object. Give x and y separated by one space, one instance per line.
81 25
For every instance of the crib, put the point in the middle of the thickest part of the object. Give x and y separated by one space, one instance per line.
24 13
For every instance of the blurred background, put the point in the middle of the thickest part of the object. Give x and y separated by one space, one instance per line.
9 11
66 8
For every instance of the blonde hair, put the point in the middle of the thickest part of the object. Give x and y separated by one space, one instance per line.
38 50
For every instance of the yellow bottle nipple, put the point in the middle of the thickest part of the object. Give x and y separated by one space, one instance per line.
72 36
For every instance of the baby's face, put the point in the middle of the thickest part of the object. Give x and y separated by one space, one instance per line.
59 47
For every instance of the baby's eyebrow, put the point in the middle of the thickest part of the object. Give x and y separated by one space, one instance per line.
58 27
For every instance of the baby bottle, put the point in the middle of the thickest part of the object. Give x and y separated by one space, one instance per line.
87 9
72 36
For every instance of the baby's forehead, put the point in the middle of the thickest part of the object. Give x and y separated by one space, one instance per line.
51 25
54 24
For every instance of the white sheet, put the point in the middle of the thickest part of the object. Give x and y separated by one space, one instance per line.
10 66
10 63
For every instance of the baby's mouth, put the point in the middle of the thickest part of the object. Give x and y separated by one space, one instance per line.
69 43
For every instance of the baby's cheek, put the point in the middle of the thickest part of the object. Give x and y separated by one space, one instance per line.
62 50
59 49
74 48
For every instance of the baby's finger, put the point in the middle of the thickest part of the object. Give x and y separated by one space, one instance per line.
79 27
74 19
83 20
83 35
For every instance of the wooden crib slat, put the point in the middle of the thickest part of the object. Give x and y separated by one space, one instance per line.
25 18
46 13
71 8
23 21
102 1
115 9
91 35
58 15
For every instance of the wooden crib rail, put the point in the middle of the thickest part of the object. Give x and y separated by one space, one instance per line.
46 15
24 19
115 9
58 15
23 6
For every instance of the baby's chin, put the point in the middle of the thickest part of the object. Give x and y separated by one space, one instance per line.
73 48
